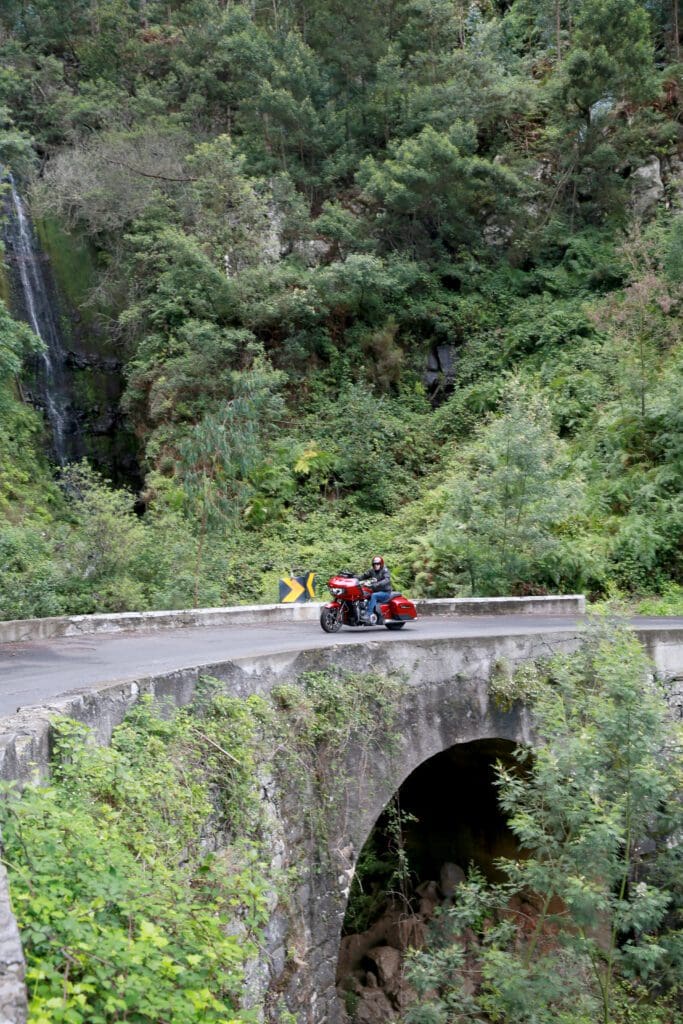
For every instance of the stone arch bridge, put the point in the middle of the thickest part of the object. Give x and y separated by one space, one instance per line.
446 702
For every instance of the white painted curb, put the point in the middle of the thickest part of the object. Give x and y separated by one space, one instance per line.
16 630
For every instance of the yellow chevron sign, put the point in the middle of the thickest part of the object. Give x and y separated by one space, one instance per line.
297 588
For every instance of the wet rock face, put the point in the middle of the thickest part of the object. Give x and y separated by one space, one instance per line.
34 302
439 376
74 381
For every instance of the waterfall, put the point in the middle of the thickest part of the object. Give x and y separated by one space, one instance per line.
38 311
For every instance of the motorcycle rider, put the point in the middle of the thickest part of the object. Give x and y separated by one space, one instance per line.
379 580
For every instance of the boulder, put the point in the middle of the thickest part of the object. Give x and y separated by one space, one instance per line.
313 251
451 876
387 964
647 188
440 370
412 932
373 1007
426 908
430 898
386 931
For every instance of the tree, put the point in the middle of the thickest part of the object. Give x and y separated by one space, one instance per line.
112 178
611 55
15 145
609 68
228 210
583 927
301 128
636 432
543 25
432 194
218 454
102 548
178 304
509 497
641 322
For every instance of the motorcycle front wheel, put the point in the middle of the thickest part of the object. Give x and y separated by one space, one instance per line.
394 625
331 619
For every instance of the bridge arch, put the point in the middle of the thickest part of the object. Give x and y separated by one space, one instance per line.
446 705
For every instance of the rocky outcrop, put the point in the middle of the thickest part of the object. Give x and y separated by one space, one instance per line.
439 376
658 181
672 173
375 989
647 188
371 977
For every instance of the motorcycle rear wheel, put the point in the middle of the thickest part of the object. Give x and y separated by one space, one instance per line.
331 619
394 625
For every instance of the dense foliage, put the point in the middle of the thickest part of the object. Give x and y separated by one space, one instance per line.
586 925
290 208
125 914
142 875
141 882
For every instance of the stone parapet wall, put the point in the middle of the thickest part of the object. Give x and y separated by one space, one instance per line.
15 630
13 1001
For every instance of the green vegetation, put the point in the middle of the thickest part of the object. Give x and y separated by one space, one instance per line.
275 214
333 723
25 479
124 915
586 925
72 265
126 911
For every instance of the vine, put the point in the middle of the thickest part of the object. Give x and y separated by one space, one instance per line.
331 725
511 684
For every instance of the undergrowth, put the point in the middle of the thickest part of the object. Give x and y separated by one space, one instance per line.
141 874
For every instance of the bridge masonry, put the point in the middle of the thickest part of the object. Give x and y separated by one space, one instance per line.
446 702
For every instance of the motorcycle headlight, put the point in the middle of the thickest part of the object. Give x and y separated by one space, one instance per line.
336 591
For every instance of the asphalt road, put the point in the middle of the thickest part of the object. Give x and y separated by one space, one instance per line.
32 671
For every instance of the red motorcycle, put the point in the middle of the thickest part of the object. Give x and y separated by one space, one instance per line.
350 598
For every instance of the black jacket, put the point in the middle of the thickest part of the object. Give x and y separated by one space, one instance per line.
379 579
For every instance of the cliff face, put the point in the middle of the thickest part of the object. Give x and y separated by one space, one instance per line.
94 362
78 381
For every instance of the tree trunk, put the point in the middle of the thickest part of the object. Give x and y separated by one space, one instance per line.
198 562
675 29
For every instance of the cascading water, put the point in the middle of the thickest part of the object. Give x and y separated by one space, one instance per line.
38 311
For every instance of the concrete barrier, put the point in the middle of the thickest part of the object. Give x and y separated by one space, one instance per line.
552 604
15 630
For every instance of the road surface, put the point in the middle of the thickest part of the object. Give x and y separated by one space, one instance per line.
31 671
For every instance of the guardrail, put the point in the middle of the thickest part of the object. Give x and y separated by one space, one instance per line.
15 630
